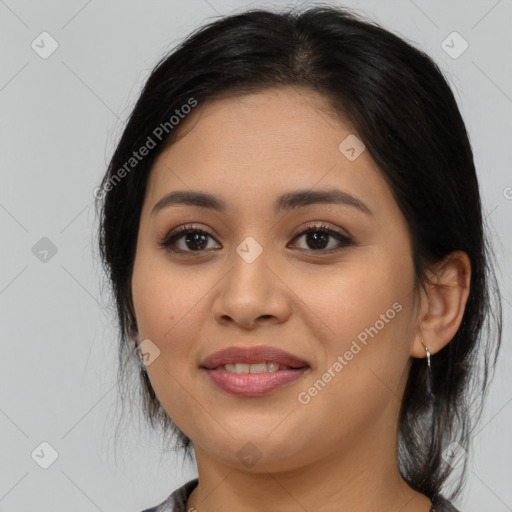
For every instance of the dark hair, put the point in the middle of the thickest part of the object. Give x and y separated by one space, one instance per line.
406 115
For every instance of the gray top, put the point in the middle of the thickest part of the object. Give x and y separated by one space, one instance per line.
177 501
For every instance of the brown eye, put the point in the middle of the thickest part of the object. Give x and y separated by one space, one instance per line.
186 239
317 238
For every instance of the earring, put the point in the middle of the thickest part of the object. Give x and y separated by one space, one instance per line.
428 354
429 378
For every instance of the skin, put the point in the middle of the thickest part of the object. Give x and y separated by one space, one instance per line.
337 452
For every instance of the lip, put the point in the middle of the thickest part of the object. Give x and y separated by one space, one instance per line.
253 384
252 355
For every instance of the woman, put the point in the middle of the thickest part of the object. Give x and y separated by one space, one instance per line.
292 226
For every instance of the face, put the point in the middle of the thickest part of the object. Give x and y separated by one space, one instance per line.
338 297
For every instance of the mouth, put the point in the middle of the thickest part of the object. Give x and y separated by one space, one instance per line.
253 371
262 367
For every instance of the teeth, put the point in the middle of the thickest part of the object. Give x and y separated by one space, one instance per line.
252 368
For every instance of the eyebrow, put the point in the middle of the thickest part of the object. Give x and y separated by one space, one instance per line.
288 201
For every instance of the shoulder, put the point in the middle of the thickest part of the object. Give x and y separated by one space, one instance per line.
441 504
177 501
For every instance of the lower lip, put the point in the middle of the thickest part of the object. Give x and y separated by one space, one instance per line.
253 384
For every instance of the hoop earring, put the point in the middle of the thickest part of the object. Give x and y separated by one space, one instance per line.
429 373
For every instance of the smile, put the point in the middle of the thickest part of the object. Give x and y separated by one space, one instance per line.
253 368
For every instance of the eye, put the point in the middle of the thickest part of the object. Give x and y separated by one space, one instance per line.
192 240
189 239
317 238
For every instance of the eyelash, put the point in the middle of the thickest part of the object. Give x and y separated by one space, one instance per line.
178 233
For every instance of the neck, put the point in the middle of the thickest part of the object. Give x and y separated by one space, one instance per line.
361 478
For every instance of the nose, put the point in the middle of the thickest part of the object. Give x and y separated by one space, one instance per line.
250 294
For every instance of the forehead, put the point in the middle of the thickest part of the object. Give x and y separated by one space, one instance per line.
273 122
262 144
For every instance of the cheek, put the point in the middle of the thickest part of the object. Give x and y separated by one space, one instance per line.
355 298
368 311
167 305
163 298
171 308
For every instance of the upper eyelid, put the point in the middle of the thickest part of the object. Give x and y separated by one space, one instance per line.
179 232
320 225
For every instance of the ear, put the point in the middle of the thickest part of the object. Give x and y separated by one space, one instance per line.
443 304
133 336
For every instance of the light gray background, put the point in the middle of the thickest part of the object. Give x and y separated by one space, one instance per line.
60 118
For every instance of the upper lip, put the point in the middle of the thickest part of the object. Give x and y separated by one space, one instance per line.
251 355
